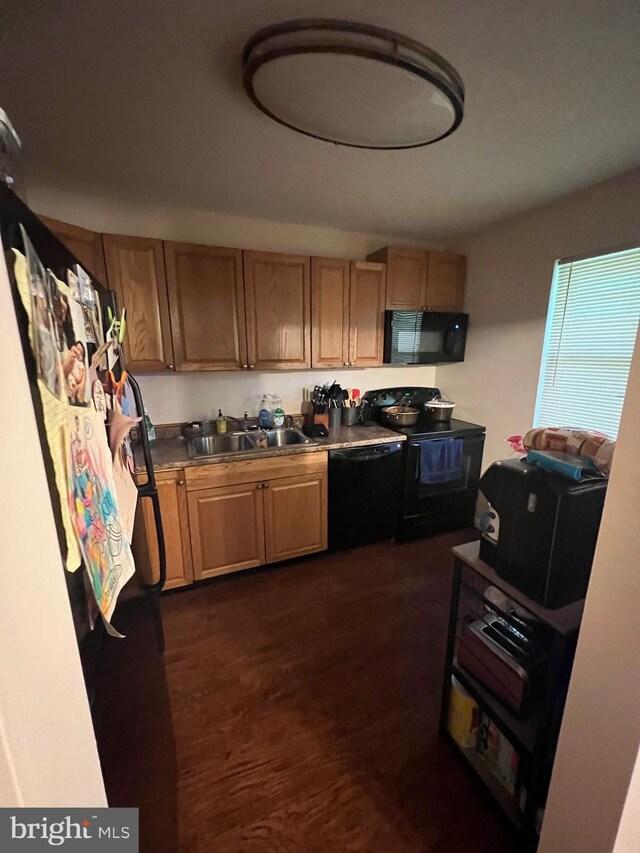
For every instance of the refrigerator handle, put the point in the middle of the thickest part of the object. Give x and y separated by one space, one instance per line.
162 554
150 485
148 490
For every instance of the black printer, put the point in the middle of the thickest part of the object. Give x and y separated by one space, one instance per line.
541 529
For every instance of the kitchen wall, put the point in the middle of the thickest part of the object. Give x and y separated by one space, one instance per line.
628 829
509 268
178 397
600 730
170 399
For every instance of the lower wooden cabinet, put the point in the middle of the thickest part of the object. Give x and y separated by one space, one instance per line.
247 525
234 515
295 516
227 529
175 524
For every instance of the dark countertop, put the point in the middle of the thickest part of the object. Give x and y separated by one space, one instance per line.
171 453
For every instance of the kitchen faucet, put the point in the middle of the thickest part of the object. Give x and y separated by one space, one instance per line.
242 422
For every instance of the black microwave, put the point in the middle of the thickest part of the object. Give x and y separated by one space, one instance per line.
424 337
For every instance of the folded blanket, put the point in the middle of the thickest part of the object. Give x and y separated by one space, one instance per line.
582 442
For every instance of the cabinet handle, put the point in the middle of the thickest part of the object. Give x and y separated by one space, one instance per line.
244 366
352 364
346 364
265 485
251 366
180 482
169 367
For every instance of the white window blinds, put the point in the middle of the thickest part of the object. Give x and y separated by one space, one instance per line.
590 335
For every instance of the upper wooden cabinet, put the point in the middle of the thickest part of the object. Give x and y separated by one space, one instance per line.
406 277
135 270
206 300
347 310
277 300
445 281
366 313
84 244
418 280
329 312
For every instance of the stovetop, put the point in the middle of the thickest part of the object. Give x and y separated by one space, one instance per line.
427 427
375 401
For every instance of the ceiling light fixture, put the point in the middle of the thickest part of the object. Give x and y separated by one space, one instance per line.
352 84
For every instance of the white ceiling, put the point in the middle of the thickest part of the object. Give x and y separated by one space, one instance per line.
142 100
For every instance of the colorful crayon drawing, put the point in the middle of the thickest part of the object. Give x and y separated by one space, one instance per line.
94 509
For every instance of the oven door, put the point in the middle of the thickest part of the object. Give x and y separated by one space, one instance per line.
439 500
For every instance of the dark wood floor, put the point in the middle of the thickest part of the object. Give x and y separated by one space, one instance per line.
305 703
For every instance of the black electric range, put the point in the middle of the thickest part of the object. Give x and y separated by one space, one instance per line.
430 508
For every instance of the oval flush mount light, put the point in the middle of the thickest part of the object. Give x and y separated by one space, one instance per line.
352 84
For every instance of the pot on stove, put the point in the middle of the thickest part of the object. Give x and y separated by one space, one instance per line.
439 409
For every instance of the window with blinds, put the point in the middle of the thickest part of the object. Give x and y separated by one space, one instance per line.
591 331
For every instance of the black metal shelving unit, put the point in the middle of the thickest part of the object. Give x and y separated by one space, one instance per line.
535 735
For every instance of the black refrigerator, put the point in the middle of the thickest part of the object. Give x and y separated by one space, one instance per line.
125 678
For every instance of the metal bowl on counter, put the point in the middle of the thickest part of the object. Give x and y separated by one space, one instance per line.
400 415
440 409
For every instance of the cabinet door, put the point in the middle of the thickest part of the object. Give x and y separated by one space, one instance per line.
366 313
445 282
329 312
227 529
175 525
85 245
295 516
206 300
277 300
135 268
406 277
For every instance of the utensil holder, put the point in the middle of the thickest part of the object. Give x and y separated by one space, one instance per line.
350 415
334 418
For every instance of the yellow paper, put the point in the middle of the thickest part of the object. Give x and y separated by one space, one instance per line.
55 414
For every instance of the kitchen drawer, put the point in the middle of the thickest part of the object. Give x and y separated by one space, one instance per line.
253 470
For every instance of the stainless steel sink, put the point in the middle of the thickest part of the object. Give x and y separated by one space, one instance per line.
284 436
229 442
237 442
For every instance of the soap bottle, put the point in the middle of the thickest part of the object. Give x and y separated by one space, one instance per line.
151 430
264 415
221 423
278 411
